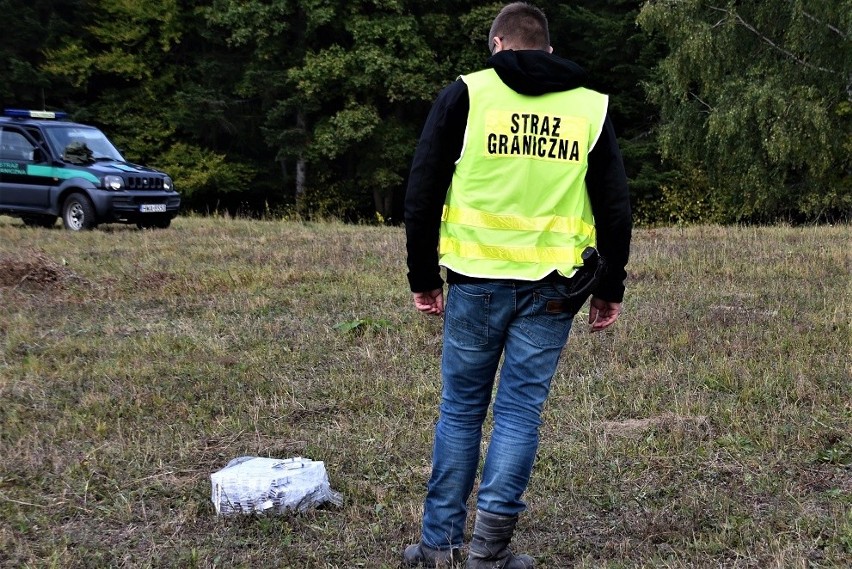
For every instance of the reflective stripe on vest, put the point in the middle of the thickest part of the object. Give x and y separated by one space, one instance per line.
517 206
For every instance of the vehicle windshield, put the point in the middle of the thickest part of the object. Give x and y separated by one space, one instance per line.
61 136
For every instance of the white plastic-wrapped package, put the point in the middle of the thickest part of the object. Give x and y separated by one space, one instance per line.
251 484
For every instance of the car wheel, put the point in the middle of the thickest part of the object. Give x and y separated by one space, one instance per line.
78 213
39 220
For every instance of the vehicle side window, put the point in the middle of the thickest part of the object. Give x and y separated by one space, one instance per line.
15 146
41 152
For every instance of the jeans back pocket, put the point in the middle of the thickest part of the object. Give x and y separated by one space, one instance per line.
466 318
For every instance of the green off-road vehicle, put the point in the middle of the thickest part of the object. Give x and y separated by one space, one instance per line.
52 168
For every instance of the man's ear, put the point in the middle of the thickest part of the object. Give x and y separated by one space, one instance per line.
550 49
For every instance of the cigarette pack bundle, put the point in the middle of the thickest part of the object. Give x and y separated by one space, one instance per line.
252 484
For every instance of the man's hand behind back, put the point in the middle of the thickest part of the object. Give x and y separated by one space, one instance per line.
431 302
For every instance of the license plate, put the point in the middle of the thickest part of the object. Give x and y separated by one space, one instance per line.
152 208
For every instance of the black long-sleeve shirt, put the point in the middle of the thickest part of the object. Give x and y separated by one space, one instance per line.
440 145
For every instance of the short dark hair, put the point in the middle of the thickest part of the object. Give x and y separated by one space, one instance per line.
522 26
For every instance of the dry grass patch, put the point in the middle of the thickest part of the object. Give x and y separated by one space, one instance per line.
637 427
710 428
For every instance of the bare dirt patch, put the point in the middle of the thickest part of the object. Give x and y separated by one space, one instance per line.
667 421
34 269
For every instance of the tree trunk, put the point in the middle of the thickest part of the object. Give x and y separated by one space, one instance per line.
300 166
383 201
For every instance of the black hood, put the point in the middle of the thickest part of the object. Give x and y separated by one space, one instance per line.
536 72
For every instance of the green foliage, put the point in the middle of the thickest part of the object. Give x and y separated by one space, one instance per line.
347 128
685 198
724 111
327 198
618 55
201 172
838 453
124 39
122 52
754 96
359 325
29 29
343 109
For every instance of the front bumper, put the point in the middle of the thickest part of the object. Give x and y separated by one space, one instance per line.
132 205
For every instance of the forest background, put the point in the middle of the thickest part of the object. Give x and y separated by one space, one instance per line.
726 111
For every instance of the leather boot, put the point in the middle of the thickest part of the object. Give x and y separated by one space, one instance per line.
420 555
489 548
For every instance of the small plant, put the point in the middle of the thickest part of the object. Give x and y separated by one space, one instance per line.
362 324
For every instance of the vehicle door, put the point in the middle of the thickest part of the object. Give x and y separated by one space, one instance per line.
23 185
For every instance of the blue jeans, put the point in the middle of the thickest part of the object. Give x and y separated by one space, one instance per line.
483 322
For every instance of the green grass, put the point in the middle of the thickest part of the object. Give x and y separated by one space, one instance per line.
711 427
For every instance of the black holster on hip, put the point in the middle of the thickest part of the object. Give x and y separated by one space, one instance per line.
582 284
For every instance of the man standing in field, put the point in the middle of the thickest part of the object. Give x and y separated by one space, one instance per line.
516 185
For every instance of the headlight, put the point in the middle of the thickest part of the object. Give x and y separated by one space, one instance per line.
168 185
113 182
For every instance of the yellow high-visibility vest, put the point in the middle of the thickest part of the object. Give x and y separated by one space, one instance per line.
517 207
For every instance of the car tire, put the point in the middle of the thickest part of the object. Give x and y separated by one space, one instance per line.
78 213
39 220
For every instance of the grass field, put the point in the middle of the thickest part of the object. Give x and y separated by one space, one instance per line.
711 427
